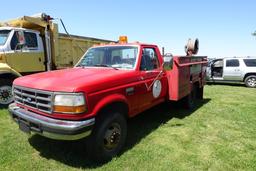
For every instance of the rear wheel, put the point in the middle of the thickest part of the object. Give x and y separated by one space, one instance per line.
200 93
5 92
250 81
189 101
108 136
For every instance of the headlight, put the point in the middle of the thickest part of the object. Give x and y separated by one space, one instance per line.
72 103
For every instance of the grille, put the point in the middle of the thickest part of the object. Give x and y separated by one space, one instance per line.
37 99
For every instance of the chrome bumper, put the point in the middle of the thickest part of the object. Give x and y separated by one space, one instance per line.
49 127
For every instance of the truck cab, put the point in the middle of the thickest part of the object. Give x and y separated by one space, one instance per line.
13 52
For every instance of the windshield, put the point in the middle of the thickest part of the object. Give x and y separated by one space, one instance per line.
3 36
121 57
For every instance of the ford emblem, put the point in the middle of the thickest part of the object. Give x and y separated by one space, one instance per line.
29 99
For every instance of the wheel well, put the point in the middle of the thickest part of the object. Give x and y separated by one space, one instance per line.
249 74
115 106
8 76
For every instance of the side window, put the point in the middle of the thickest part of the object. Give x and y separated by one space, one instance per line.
31 40
149 60
14 41
232 63
250 62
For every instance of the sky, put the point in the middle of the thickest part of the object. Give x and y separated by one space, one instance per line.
223 27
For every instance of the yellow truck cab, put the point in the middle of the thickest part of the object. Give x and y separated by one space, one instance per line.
32 44
29 58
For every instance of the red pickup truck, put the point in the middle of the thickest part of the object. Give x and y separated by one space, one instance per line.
110 84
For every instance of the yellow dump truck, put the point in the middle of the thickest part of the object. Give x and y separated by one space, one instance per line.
33 44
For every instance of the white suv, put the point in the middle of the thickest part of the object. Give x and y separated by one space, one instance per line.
233 69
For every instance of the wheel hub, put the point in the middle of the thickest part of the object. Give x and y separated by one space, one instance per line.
112 137
252 82
5 95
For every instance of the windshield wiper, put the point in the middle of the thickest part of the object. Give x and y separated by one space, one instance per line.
105 65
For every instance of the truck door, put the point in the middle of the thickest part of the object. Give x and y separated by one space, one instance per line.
151 89
216 69
232 70
28 57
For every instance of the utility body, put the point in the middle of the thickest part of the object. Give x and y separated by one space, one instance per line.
110 84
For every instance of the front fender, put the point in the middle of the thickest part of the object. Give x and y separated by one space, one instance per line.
109 100
6 69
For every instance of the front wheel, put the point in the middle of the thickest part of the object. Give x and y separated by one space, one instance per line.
5 92
250 81
108 136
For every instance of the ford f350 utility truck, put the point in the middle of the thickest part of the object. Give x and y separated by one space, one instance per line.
33 44
110 84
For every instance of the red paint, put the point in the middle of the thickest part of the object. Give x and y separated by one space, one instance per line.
103 86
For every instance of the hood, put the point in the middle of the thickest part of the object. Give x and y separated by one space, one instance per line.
77 79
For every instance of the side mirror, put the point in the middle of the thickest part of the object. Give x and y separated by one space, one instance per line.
168 62
21 37
21 40
19 46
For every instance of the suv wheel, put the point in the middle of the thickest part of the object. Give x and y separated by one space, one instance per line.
250 81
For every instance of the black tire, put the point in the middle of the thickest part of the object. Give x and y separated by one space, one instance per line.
189 101
200 93
108 137
5 92
250 81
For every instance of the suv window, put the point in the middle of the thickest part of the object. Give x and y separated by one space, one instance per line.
250 62
149 60
232 63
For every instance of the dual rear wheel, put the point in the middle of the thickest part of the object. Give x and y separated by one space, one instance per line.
190 100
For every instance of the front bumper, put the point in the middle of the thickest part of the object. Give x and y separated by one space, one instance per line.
48 127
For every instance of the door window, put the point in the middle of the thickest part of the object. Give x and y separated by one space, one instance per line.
14 41
149 60
232 63
31 40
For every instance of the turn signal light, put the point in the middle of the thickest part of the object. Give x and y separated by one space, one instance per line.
70 109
